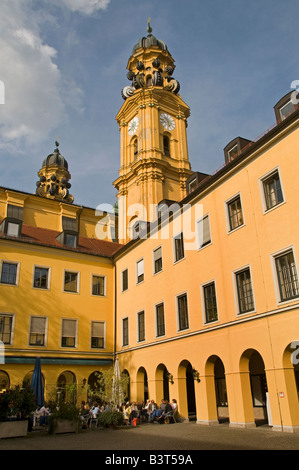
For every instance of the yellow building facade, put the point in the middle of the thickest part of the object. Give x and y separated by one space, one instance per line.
198 299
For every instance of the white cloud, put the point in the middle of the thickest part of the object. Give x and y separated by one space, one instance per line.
86 6
36 94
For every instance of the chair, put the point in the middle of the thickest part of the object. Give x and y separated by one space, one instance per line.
94 421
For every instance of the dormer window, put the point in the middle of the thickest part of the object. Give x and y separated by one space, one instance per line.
69 236
286 110
284 107
232 153
12 224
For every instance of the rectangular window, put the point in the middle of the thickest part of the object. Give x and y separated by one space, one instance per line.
287 276
70 281
244 290
232 153
140 271
125 280
13 229
286 109
68 334
97 334
41 278
5 328
210 303
204 235
183 321
37 331
235 215
272 190
98 285
125 332
9 273
141 326
160 321
158 260
179 247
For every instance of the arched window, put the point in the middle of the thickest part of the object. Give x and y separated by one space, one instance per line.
166 145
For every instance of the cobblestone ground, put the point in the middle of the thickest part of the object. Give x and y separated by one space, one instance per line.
173 437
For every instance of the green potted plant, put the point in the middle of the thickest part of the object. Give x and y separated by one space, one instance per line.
111 419
16 406
64 418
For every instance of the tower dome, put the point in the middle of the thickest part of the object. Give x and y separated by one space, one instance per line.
149 41
54 178
55 158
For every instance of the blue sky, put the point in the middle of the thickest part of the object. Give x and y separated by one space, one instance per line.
63 63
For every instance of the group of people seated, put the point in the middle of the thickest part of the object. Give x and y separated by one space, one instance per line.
88 412
149 412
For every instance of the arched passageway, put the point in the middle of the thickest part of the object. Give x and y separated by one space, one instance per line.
162 383
142 385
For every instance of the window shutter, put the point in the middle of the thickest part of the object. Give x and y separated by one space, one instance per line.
69 328
140 268
157 254
97 329
38 325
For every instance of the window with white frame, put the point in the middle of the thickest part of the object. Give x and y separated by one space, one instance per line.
97 334
98 285
160 320
235 213
140 271
286 109
182 309
9 273
179 252
157 254
287 276
71 283
272 190
125 331
141 326
68 333
210 302
41 277
37 335
6 328
244 291
204 234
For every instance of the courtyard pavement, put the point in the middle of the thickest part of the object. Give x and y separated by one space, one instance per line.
176 438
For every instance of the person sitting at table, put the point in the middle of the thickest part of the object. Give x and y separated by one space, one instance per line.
126 409
156 413
168 411
44 414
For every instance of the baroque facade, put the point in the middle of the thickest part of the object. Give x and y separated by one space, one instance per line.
198 297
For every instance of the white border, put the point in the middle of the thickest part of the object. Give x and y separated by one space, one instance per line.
262 192
235 288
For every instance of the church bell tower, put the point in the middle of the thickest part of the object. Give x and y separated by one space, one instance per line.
152 123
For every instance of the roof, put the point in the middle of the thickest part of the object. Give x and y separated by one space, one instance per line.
46 237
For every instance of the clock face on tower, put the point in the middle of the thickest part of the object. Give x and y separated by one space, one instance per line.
133 125
167 121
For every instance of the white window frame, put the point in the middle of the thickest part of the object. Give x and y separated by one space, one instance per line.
78 281
262 191
156 249
235 288
105 285
275 275
227 217
173 247
229 152
13 316
199 246
48 280
17 263
203 304
46 331
139 261
177 312
98 321
282 117
76 334
155 316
